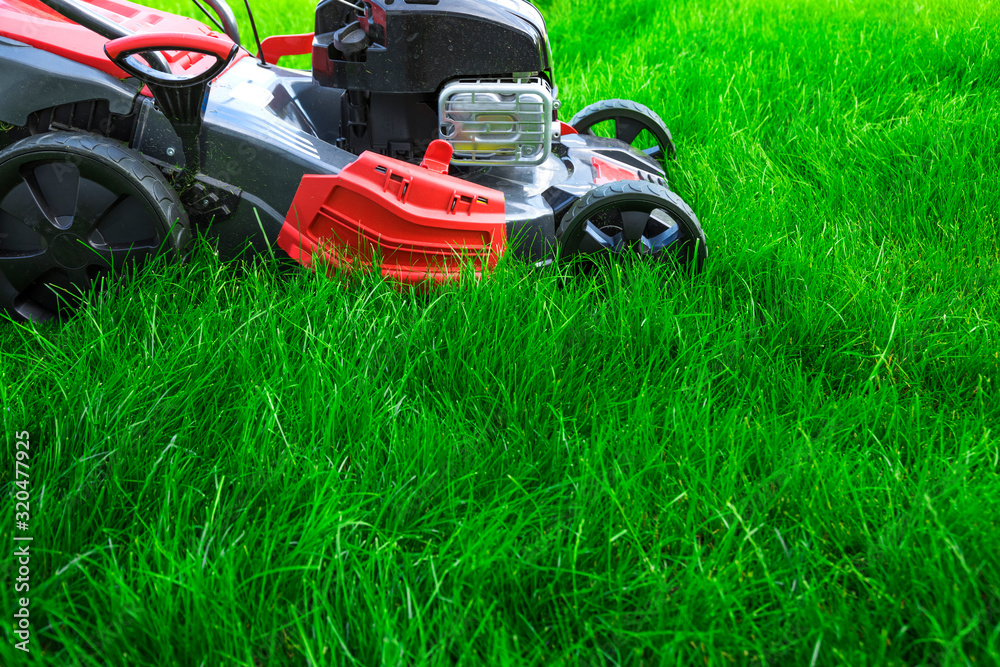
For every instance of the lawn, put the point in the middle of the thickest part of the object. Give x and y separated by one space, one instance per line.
792 458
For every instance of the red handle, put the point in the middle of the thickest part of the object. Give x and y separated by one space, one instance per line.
123 50
170 41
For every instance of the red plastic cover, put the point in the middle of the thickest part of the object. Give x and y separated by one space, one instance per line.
423 225
606 172
33 23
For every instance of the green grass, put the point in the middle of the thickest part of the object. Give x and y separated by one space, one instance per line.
793 458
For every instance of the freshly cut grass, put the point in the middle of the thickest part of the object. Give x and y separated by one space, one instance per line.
793 458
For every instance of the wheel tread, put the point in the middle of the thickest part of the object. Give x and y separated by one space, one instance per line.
612 105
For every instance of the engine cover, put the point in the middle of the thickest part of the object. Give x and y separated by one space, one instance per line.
414 46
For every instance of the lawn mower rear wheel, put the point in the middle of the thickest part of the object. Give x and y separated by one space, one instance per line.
76 209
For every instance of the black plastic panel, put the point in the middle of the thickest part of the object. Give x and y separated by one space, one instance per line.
416 47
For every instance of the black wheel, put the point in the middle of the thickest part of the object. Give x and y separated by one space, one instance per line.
76 209
634 217
635 124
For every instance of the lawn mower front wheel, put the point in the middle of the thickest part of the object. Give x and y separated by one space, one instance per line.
633 217
76 209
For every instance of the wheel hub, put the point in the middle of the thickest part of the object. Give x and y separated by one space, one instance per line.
70 252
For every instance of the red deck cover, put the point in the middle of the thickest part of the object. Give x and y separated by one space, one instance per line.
33 23
422 224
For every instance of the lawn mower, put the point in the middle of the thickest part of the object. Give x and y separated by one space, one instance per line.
425 139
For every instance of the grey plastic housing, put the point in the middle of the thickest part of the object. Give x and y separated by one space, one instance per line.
35 79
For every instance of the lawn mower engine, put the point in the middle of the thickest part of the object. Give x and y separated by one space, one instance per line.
476 74
425 140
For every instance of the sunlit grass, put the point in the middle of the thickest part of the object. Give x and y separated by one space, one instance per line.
792 458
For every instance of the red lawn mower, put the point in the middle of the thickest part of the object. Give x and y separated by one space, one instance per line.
424 138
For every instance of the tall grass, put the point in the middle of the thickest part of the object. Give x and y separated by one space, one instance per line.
792 458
